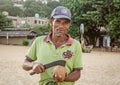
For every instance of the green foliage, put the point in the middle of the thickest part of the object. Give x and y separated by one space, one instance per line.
44 10
26 25
32 7
114 25
74 31
80 15
7 5
4 4
42 30
25 42
5 22
94 13
15 11
50 6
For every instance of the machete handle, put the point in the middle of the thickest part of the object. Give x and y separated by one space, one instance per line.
51 64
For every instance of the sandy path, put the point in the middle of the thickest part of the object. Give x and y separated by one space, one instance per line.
100 68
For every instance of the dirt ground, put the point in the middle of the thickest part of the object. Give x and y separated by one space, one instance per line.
100 68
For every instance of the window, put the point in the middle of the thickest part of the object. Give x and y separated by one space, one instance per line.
35 22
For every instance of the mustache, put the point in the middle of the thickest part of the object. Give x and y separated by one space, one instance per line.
59 29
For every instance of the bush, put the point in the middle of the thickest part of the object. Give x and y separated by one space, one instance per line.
42 30
25 42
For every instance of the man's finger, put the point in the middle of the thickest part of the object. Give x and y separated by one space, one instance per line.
42 68
39 69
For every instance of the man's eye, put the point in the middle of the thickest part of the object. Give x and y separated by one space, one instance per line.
56 20
66 22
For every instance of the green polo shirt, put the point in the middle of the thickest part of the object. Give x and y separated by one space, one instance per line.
44 51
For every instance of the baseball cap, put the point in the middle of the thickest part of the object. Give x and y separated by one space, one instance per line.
61 12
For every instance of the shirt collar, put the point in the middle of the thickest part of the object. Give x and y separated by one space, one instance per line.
69 41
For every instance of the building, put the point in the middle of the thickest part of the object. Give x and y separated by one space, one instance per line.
16 36
32 21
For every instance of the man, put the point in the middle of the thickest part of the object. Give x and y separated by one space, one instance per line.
55 46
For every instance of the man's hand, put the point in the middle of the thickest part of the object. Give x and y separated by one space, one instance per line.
38 68
28 64
59 73
73 76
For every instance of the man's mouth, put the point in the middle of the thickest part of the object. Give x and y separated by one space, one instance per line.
60 31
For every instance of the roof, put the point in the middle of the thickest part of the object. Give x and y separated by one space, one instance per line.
16 33
16 29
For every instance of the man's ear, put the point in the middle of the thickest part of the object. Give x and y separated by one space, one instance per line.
51 20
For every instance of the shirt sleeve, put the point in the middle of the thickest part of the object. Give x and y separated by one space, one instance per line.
32 51
78 64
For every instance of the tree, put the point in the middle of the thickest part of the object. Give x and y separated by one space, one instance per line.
109 16
114 25
42 30
94 13
15 11
73 6
4 22
32 7
7 5
78 9
4 4
51 5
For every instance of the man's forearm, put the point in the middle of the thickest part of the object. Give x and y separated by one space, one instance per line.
27 65
73 76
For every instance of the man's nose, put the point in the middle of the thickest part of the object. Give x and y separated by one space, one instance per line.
61 25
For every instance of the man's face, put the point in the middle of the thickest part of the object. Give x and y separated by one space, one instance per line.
60 26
